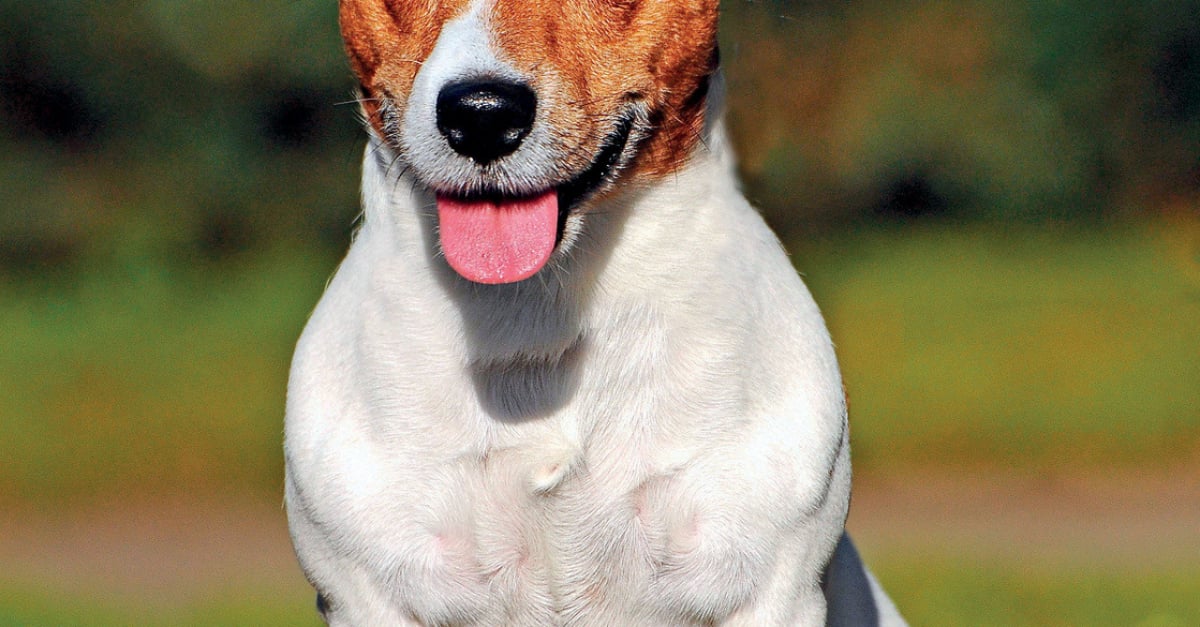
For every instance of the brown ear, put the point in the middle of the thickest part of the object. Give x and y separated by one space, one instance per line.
679 120
604 52
386 41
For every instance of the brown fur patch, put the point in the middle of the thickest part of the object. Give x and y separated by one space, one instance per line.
601 54
587 59
387 41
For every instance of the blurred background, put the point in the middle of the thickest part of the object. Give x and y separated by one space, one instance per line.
997 205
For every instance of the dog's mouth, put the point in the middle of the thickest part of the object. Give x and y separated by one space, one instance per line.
495 238
603 169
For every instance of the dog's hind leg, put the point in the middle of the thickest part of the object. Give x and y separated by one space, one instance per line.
853 597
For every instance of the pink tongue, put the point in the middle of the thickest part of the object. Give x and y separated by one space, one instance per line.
498 242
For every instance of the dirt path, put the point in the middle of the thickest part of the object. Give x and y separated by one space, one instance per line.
1125 520
173 550
169 551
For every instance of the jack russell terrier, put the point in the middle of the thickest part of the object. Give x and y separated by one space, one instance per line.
565 375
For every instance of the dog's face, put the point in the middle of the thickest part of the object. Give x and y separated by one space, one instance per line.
516 112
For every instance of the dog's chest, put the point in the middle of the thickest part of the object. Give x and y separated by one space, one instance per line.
550 519
541 530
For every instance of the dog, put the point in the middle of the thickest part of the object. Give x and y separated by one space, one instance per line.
565 375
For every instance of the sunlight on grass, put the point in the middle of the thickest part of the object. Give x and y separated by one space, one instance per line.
1025 350
27 606
937 590
142 378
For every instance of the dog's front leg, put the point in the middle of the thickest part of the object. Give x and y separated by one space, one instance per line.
741 535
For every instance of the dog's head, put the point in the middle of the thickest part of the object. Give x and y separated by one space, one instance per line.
516 113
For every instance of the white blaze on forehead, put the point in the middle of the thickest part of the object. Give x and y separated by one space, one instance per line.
462 50
465 51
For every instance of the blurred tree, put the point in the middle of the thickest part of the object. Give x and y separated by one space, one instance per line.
203 130
205 127
978 109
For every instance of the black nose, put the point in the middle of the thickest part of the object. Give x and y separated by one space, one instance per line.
485 120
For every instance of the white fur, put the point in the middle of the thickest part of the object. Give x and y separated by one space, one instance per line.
651 431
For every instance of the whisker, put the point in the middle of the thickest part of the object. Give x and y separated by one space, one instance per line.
358 101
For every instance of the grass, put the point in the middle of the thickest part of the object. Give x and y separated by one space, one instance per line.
952 591
1024 350
27 606
142 378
